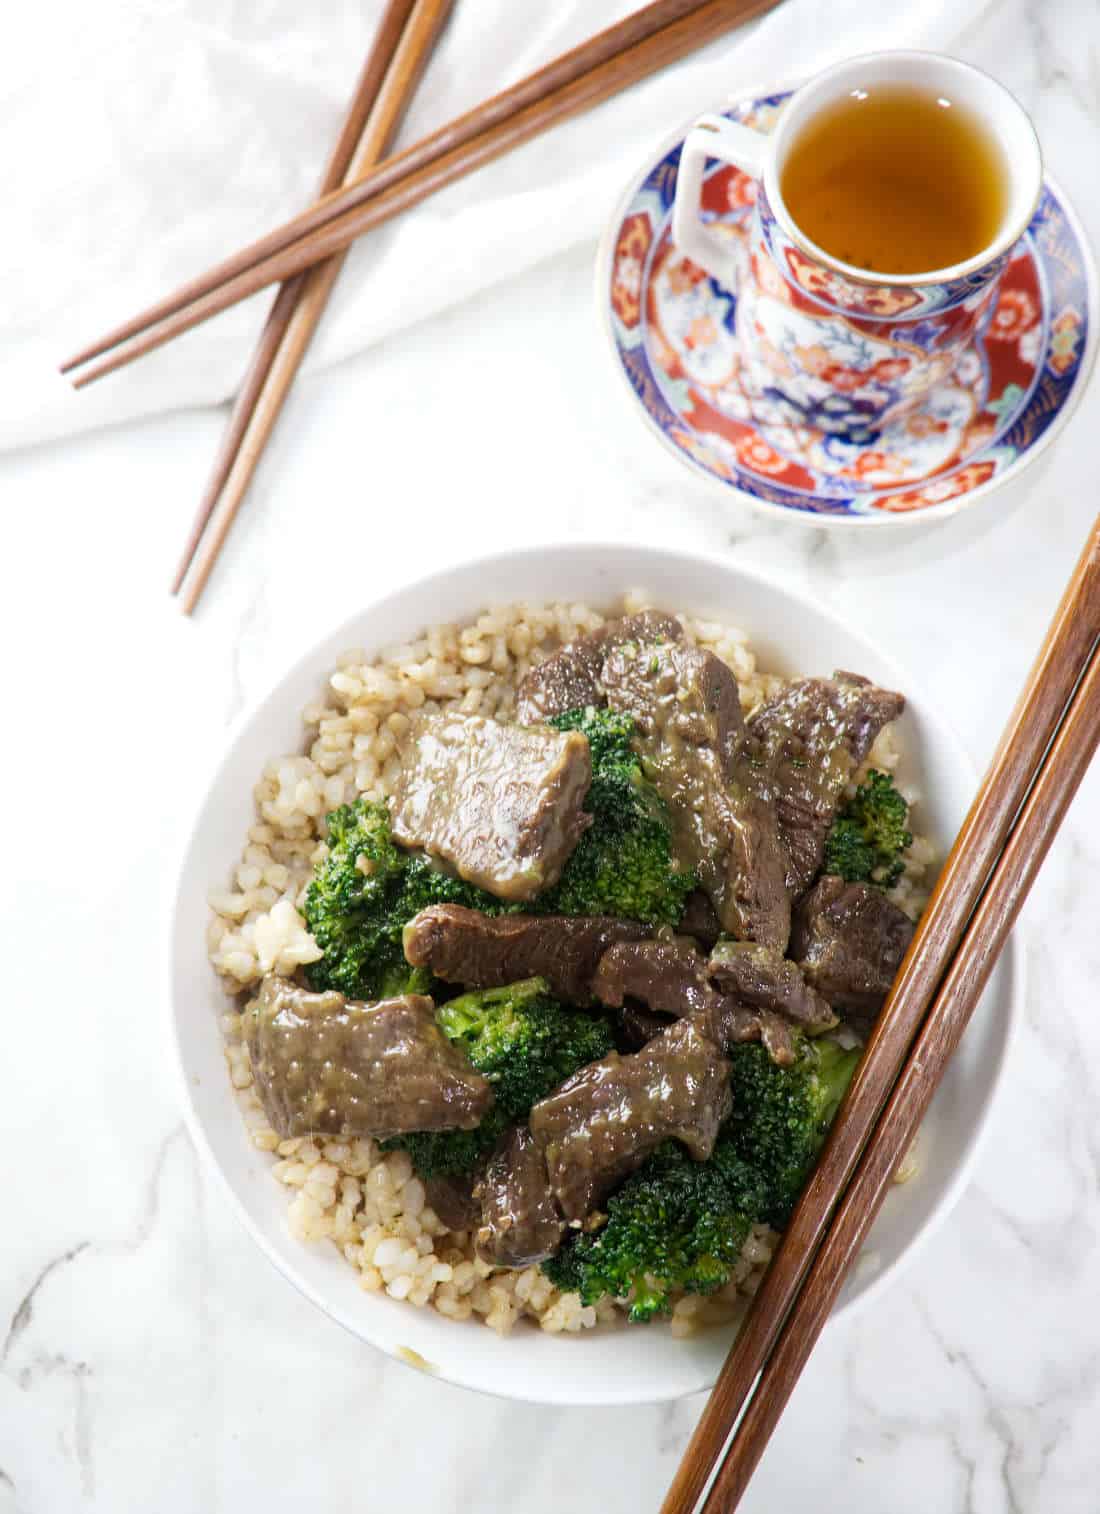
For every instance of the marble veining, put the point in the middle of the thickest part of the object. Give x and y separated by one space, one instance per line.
150 1358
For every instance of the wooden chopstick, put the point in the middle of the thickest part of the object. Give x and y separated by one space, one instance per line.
610 62
366 93
456 133
1044 810
406 38
980 842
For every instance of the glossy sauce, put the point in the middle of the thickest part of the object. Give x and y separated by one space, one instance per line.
323 1064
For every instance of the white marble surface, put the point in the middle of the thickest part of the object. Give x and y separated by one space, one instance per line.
149 1359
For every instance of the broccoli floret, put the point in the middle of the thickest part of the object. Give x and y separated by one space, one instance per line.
525 1043
623 864
679 1225
362 896
676 1225
868 837
608 734
781 1115
344 902
450 1153
523 1040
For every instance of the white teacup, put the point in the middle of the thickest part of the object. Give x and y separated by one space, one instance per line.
832 345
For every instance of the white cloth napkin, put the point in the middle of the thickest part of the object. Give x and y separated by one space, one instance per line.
146 139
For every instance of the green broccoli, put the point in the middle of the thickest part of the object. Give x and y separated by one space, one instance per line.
781 1115
525 1043
523 1040
676 1225
623 864
361 897
450 1153
679 1225
868 837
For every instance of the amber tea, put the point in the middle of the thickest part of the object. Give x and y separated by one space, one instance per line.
896 180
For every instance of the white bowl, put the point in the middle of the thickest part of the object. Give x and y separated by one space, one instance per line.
629 1365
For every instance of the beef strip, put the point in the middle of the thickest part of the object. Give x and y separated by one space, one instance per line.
802 747
637 1026
481 951
759 976
606 1119
687 715
332 1065
699 920
520 1223
849 939
501 804
453 1200
570 678
671 976
668 975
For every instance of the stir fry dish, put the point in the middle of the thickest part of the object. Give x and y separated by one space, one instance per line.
597 965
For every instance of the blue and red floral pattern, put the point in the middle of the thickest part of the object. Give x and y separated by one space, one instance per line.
675 335
871 300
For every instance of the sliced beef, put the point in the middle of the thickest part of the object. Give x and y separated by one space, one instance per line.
502 804
687 715
322 1063
453 1200
802 747
570 678
668 975
849 939
684 694
520 1223
606 1119
699 920
673 977
637 1026
735 1023
481 951
760 977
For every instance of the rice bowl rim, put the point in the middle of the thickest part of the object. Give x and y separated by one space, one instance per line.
316 664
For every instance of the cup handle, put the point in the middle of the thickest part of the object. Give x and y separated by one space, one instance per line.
711 137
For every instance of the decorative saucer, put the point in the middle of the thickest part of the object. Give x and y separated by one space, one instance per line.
671 329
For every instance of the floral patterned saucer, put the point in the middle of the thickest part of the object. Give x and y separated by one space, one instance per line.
672 333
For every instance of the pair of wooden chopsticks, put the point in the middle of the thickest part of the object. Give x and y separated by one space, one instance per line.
644 42
355 199
359 196
1043 756
406 37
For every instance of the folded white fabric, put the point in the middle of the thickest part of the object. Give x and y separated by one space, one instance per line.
145 141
